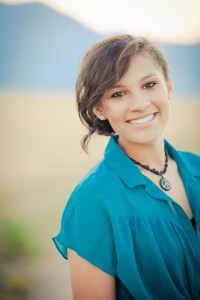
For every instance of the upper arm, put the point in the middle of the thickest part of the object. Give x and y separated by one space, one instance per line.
88 281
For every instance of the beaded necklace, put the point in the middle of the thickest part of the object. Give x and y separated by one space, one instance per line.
164 183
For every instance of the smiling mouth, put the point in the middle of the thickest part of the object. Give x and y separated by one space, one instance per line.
142 120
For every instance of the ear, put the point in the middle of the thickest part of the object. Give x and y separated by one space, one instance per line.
99 112
170 89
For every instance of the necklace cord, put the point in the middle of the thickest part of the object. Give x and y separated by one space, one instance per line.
153 170
164 183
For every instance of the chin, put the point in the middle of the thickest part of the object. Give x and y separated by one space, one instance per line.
147 139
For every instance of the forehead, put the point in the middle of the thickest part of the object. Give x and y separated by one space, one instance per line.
141 65
143 59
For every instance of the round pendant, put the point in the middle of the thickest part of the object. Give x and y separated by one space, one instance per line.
165 184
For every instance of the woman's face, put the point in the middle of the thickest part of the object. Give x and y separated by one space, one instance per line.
137 106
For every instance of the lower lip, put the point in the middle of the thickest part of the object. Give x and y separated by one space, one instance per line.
144 124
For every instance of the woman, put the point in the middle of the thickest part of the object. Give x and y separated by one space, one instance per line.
131 227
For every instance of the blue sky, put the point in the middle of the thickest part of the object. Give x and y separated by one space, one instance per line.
176 21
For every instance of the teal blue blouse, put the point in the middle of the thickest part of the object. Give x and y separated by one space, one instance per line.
120 221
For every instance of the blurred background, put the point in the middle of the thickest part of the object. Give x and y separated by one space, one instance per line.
41 46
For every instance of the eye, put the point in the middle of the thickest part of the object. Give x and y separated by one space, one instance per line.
118 95
149 85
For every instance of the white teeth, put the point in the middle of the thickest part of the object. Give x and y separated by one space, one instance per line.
143 120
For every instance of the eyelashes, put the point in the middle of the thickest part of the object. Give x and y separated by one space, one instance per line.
148 85
118 95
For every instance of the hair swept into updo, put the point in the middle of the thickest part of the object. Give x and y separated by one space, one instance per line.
102 67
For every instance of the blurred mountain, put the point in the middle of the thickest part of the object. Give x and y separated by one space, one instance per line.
41 49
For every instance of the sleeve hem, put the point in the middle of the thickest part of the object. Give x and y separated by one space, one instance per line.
60 247
93 262
63 251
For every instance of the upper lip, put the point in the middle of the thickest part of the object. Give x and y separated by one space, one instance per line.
141 117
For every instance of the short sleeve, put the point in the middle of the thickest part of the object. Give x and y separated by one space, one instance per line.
86 228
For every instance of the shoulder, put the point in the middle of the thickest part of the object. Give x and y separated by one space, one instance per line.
95 187
192 160
191 157
185 159
97 178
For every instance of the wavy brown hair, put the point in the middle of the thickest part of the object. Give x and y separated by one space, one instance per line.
102 67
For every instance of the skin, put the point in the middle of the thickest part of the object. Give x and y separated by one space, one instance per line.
137 109
89 282
141 92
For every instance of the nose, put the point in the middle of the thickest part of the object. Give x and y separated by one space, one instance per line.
139 101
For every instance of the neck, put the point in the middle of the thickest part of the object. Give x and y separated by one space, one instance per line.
151 154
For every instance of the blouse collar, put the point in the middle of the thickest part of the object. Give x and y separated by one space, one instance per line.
118 160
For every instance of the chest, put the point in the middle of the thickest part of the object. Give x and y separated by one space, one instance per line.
177 192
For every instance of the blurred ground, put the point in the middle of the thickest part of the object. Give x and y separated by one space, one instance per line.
41 162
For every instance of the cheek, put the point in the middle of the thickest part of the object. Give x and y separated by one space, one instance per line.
164 107
113 112
162 98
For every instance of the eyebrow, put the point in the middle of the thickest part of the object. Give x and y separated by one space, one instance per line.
117 86
143 78
147 76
